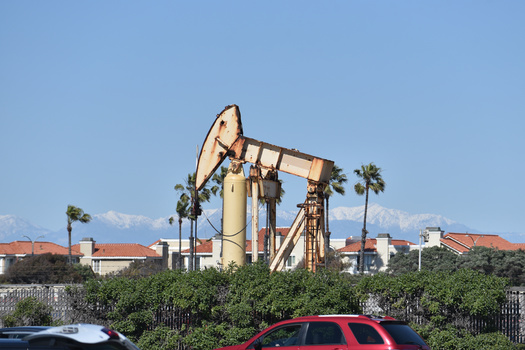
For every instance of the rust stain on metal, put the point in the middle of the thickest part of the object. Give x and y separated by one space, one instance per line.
224 131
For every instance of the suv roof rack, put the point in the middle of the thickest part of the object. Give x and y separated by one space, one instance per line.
372 317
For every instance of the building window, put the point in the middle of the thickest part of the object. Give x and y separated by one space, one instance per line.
369 261
96 266
290 261
249 259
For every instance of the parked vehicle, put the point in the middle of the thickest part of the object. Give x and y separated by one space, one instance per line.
71 337
341 332
20 332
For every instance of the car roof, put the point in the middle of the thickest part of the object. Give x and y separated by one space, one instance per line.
19 332
83 333
23 329
349 317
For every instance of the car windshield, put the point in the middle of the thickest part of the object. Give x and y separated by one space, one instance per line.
402 333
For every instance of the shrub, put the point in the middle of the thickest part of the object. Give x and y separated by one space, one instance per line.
29 312
450 338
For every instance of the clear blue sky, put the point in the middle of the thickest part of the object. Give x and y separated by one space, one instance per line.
103 103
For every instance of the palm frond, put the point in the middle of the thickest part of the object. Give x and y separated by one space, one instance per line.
359 189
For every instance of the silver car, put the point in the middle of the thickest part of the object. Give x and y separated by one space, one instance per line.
72 337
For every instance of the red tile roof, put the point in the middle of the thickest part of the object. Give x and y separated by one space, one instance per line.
24 247
152 245
454 246
370 245
463 242
203 247
520 245
282 230
207 246
121 250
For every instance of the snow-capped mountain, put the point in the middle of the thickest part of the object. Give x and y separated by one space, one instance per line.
125 221
393 220
12 226
114 227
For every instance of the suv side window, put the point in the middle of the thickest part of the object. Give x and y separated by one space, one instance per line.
402 333
283 336
324 333
365 334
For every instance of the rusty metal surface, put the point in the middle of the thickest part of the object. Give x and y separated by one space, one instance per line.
223 133
225 139
283 159
277 263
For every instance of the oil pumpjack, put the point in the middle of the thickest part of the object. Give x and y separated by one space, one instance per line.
225 139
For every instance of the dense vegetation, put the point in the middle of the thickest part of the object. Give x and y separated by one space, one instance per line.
224 308
445 303
489 261
46 269
29 312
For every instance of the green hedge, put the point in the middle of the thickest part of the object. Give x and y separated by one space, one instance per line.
226 308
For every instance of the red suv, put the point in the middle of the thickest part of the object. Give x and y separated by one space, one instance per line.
336 332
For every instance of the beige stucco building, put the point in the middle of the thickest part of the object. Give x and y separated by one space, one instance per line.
378 252
11 252
209 253
111 257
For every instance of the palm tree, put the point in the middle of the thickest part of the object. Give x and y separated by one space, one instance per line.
75 214
335 184
337 179
183 211
371 179
218 178
188 193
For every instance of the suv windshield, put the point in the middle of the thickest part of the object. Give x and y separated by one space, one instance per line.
402 333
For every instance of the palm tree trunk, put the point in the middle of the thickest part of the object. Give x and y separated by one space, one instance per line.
195 246
190 262
69 228
327 214
363 238
327 231
179 263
